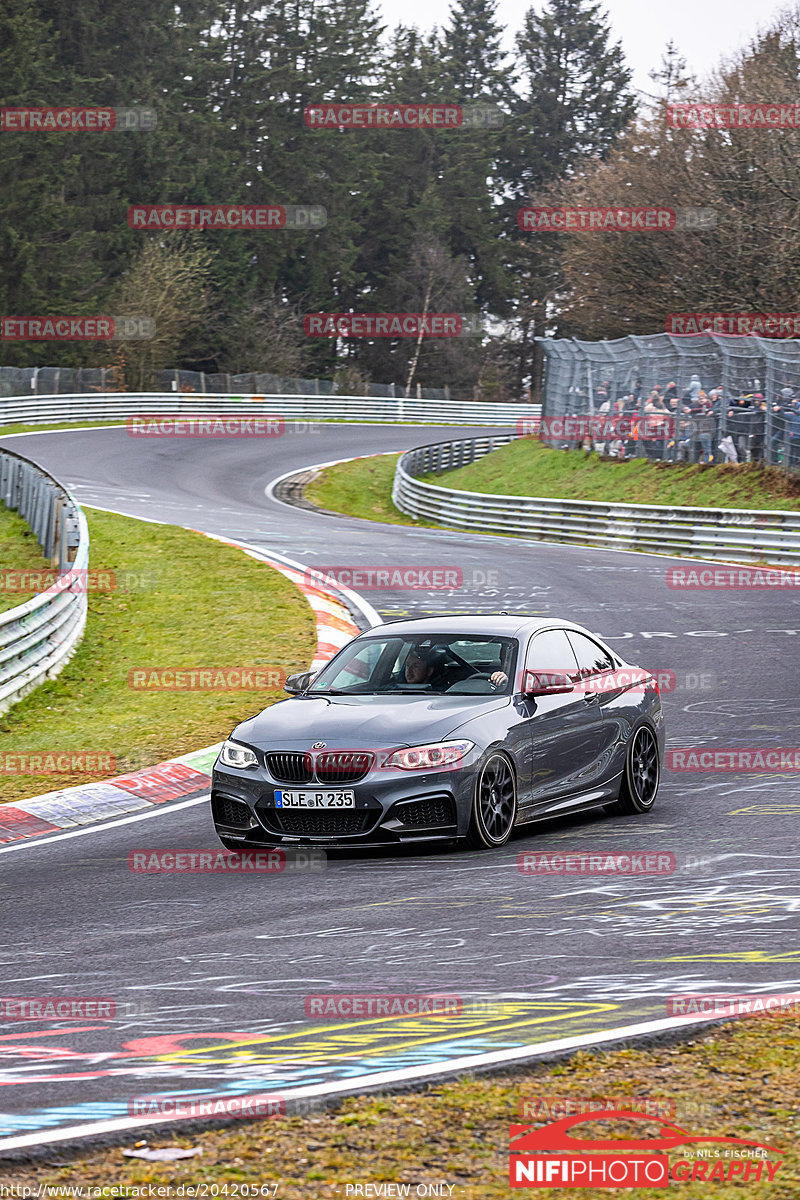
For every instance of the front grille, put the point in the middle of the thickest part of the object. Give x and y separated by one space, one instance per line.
287 766
337 766
320 823
433 810
343 766
231 812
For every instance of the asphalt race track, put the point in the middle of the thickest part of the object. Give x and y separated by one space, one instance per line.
210 972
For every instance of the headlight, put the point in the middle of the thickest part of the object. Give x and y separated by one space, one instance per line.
426 758
234 755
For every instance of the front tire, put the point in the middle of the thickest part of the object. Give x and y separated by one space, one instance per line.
494 809
640 779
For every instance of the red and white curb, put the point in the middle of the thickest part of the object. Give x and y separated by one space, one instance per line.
190 774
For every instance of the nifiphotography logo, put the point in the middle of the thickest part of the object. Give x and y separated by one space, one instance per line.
556 1155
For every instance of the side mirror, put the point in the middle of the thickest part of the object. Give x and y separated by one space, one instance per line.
295 684
546 683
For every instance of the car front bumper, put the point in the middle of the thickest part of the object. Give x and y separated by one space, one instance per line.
391 807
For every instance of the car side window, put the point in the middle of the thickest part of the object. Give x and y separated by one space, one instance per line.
361 665
549 651
592 659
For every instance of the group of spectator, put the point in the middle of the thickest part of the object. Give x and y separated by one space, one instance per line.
691 425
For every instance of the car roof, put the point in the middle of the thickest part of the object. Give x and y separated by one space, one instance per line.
493 623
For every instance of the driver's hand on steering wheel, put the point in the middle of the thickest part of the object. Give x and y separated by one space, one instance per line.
498 679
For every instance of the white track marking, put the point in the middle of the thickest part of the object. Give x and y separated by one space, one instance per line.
46 839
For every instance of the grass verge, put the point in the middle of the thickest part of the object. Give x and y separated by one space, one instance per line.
363 487
360 488
740 1080
193 603
19 551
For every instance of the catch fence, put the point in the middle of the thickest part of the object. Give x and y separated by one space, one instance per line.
710 397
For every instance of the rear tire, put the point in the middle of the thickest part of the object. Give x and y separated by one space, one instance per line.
494 809
640 779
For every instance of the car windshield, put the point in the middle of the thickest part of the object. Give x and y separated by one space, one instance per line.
413 664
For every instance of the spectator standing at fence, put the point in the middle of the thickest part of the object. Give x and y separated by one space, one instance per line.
793 435
739 424
695 387
605 412
673 406
781 409
703 426
654 426
630 410
678 428
616 446
683 433
758 428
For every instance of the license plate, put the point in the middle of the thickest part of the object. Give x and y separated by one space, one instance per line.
315 799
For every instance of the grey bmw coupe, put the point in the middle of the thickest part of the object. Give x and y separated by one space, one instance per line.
443 728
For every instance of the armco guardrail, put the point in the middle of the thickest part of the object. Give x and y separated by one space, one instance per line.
730 534
39 637
103 406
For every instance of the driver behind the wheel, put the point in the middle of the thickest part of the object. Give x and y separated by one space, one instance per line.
419 667
423 667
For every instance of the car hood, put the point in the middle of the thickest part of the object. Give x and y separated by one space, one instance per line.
362 722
